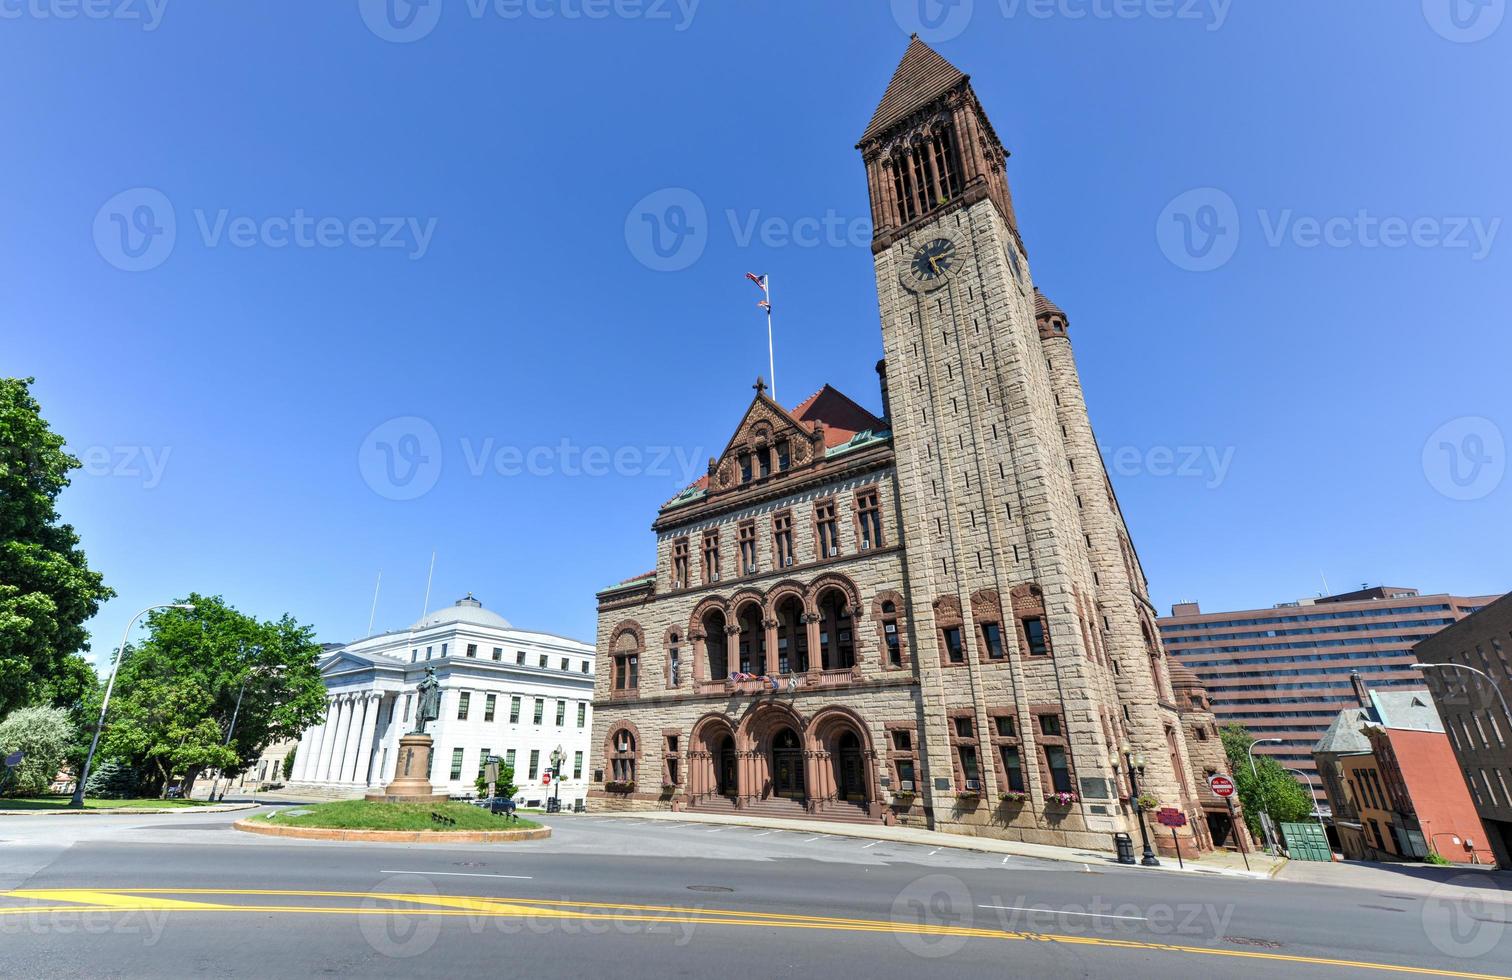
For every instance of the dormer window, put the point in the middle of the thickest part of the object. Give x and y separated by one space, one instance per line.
764 462
745 467
784 457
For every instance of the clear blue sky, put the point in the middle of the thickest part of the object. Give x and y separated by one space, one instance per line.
526 311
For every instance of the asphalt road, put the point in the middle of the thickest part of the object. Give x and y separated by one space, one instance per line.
184 895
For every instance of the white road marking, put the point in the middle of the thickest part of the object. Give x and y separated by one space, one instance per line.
872 844
1005 860
812 839
456 874
714 831
934 852
1090 915
767 833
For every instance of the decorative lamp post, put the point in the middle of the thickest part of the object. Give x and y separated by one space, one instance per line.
1136 764
78 797
558 756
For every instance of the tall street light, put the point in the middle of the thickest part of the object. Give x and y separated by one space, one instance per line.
78 797
1265 824
1137 762
1317 810
231 729
558 756
1477 671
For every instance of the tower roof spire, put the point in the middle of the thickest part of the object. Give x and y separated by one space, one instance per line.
922 77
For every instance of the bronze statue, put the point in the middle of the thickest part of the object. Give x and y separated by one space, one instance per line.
428 708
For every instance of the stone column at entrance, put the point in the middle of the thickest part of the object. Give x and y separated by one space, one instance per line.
348 771
328 771
363 773
313 765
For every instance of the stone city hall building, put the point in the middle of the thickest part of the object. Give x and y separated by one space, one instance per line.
934 616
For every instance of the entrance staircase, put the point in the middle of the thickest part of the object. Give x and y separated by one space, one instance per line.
781 808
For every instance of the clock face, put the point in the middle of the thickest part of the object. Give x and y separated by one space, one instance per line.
933 262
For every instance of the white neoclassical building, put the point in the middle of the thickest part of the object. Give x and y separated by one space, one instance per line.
514 693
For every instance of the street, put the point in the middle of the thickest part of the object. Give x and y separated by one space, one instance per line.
184 894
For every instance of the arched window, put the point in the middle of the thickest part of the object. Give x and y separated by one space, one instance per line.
626 661
792 636
716 645
623 756
752 640
674 659
837 648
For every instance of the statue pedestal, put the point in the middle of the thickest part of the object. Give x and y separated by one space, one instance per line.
412 774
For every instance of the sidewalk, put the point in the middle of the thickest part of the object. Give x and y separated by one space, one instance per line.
1442 883
1262 865
130 811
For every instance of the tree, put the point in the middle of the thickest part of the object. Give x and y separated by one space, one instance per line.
1275 790
47 590
44 737
288 764
504 788
178 692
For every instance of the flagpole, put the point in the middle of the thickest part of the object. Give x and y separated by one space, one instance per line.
771 351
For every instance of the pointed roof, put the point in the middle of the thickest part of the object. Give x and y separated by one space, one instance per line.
1044 306
843 419
922 77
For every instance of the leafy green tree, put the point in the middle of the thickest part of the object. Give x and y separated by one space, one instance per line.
112 780
179 690
288 764
44 736
505 787
47 590
1275 790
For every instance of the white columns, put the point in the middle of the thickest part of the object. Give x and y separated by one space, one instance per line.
332 771
302 753
348 771
322 761
371 702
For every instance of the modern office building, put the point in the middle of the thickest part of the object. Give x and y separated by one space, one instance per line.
1284 672
1475 713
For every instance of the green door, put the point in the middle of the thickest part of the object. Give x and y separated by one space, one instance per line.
1306 842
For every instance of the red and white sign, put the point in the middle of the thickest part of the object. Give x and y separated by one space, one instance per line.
1221 786
1170 817
546 778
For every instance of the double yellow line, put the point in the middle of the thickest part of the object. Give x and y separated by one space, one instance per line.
403 904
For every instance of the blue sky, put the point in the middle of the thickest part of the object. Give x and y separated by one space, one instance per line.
451 222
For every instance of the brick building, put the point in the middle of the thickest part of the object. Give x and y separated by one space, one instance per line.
931 615
1474 715
1284 672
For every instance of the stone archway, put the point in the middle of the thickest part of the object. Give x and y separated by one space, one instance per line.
844 770
714 769
774 754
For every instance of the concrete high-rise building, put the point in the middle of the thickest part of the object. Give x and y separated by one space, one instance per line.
1284 672
931 615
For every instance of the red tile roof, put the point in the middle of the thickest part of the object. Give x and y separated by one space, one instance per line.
842 418
922 77
1044 307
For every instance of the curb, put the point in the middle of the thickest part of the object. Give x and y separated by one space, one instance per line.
132 810
393 836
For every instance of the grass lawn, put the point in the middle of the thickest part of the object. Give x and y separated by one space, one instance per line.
61 803
367 815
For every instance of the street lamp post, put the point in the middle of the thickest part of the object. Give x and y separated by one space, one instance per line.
78 797
236 713
1265 822
1317 810
558 756
1135 763
1477 671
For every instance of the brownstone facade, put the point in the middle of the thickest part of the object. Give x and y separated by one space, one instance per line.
935 616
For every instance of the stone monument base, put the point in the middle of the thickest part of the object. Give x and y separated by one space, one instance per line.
412 774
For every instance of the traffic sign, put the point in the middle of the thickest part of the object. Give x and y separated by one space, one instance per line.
1170 817
1221 785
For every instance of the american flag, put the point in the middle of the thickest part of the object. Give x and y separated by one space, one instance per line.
760 281
765 304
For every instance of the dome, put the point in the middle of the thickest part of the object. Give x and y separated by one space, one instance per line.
465 610
1183 678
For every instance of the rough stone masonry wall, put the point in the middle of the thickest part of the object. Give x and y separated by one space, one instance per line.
981 469
1141 682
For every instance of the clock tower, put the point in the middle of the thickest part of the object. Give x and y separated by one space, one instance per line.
1008 520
